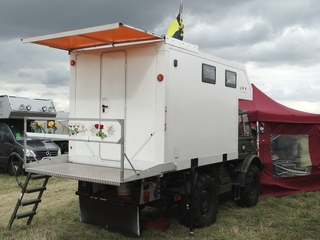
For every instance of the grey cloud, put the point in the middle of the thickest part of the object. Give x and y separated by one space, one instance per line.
23 74
20 89
259 32
36 17
56 78
269 33
49 93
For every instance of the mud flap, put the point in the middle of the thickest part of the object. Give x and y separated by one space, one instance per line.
114 216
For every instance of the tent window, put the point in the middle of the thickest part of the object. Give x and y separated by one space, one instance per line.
290 155
208 74
231 79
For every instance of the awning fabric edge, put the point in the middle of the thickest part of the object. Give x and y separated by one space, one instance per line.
109 34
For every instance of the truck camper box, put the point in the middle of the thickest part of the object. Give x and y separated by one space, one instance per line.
170 96
142 106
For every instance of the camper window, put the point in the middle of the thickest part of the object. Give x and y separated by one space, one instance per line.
208 74
231 79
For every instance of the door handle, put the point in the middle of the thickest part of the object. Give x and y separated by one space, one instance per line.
104 107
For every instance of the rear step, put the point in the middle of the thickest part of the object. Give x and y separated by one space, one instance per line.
26 214
35 189
35 202
30 202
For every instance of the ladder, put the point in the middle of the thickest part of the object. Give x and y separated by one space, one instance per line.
35 202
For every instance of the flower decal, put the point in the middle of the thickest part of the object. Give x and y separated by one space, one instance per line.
36 126
100 133
76 128
52 126
110 130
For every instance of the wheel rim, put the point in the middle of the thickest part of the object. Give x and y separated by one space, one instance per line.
206 203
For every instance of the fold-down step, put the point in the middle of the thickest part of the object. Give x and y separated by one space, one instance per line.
89 173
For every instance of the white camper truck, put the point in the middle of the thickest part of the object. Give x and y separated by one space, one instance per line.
153 122
12 138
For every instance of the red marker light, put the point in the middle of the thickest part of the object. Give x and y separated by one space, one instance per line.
160 77
72 62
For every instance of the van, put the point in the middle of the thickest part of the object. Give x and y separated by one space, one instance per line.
12 137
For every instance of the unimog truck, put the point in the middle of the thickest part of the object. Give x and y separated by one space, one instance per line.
153 122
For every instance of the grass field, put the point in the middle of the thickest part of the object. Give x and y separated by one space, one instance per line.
291 217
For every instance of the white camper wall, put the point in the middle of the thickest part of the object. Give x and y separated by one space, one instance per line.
201 117
126 79
145 107
85 102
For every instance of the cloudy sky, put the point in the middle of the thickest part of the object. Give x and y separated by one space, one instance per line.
277 41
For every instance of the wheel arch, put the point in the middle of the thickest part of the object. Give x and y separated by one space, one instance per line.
14 156
243 167
14 159
211 170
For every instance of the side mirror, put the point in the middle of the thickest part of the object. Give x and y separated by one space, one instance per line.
261 128
254 131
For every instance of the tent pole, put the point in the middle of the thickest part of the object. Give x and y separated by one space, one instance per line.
257 140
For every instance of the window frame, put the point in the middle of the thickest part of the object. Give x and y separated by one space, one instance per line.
208 80
228 84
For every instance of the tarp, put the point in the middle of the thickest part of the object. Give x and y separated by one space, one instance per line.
289 146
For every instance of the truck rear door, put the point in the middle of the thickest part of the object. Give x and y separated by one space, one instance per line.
112 96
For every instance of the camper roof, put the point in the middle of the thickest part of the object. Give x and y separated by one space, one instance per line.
19 107
109 34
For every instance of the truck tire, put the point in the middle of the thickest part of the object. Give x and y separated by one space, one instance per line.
249 194
205 203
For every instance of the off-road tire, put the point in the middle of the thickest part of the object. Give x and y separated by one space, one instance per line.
249 194
205 203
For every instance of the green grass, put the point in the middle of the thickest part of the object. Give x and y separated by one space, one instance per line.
291 217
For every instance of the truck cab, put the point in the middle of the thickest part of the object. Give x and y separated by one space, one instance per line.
246 135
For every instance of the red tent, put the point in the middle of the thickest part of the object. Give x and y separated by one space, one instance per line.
289 146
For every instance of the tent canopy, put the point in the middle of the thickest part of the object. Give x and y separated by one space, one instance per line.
263 108
289 146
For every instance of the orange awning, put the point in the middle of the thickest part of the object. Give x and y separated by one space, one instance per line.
110 34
